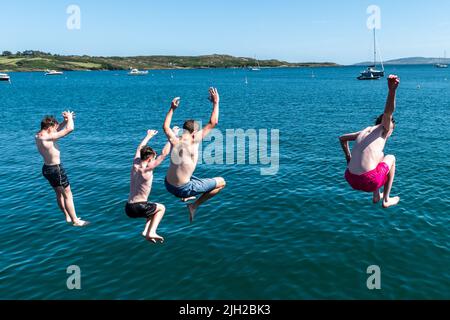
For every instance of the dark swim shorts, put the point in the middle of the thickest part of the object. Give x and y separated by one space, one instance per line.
56 175
140 210
193 188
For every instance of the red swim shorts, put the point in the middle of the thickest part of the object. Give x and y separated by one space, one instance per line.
370 181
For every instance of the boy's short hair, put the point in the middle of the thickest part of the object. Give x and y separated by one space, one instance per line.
48 122
379 120
191 126
147 153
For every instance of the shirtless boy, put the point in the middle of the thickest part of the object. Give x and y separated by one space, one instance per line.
145 161
180 180
368 168
46 142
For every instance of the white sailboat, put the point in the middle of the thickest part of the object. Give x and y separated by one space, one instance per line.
371 73
256 68
442 65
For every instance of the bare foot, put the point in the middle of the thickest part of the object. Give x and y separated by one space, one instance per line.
188 199
377 196
155 238
391 202
69 220
192 209
80 223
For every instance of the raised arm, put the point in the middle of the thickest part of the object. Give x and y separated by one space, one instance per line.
171 136
214 119
66 127
345 139
393 82
62 125
150 134
164 153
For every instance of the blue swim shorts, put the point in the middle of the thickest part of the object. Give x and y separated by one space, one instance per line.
193 188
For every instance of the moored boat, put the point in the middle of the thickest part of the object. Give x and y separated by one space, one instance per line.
368 75
4 77
442 64
136 72
53 73
371 73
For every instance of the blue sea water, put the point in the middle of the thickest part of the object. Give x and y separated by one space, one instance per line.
299 234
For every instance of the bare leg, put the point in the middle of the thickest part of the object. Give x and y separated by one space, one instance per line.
147 225
377 196
154 223
70 207
220 184
387 200
61 204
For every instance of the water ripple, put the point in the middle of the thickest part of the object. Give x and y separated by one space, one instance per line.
302 233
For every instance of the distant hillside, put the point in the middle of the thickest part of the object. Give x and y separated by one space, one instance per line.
40 61
410 61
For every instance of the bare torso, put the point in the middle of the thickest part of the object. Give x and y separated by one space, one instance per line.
141 183
183 161
48 148
368 150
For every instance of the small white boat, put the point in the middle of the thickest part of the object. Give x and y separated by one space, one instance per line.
4 77
375 72
442 64
256 68
136 72
53 73
369 75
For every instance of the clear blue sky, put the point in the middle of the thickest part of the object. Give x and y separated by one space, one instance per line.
293 30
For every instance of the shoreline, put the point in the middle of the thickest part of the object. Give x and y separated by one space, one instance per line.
173 69
306 66
37 61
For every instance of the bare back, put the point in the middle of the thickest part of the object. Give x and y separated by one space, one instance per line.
140 183
368 150
48 148
183 161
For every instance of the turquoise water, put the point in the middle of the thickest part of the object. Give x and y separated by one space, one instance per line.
301 234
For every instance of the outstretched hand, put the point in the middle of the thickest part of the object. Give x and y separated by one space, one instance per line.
68 114
151 133
175 102
393 82
214 95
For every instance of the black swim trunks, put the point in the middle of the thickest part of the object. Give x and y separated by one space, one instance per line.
56 175
140 210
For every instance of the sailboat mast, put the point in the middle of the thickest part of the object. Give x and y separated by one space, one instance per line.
374 47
